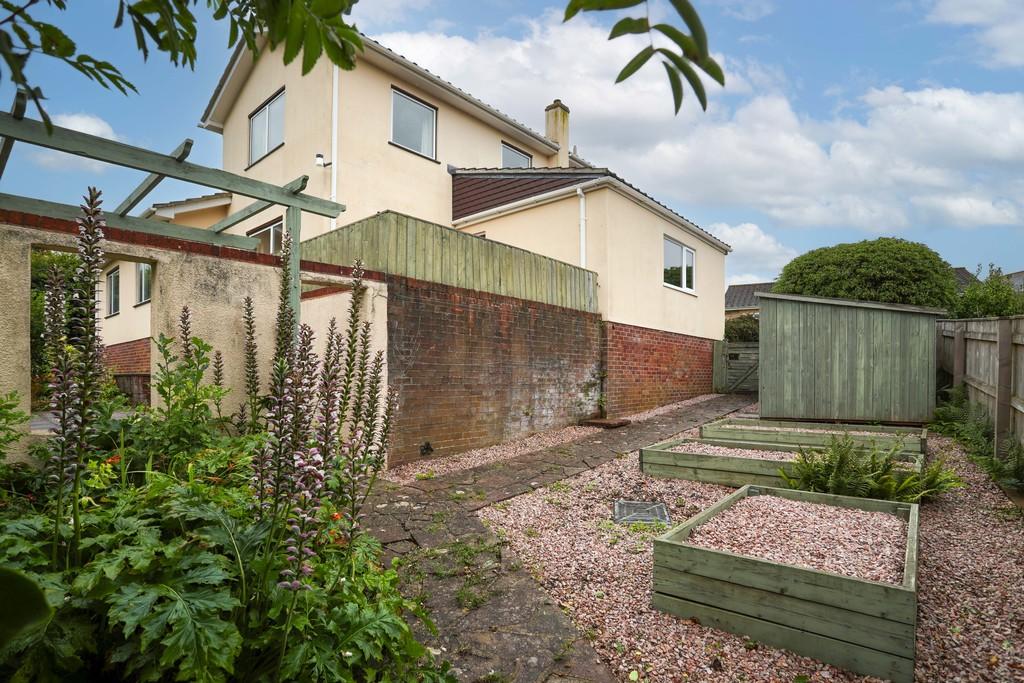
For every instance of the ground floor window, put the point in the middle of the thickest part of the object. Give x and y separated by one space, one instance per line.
270 237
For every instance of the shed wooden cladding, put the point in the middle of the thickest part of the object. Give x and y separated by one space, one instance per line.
402 245
853 361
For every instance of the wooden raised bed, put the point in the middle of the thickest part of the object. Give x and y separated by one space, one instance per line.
785 433
866 627
659 460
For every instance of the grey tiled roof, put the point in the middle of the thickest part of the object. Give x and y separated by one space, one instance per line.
963 276
743 296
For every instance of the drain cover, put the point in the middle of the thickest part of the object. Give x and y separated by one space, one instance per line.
647 512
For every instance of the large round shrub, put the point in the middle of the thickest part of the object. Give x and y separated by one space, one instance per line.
886 269
744 328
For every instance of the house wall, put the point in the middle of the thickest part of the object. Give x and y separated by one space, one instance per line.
624 247
473 369
373 175
133 320
740 312
129 363
647 368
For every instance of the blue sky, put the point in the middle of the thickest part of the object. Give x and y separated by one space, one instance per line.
840 121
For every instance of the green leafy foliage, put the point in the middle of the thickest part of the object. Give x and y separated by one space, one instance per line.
308 27
992 297
11 418
679 52
847 469
886 269
25 606
970 425
744 328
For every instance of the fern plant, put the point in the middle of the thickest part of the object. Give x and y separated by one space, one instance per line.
847 469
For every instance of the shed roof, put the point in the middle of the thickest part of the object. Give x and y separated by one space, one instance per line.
905 308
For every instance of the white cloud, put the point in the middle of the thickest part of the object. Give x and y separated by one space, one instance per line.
84 123
756 255
745 10
997 26
378 14
889 159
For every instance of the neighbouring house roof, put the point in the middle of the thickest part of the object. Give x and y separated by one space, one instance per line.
482 193
964 277
745 296
168 210
1017 279
241 63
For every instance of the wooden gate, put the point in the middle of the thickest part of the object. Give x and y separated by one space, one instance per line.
735 366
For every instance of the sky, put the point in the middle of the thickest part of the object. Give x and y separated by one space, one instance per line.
839 121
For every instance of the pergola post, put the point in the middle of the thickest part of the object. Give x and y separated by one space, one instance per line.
293 224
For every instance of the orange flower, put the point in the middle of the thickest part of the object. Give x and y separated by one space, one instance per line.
114 459
336 516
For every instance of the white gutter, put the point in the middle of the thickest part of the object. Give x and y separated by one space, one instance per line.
334 139
613 183
583 226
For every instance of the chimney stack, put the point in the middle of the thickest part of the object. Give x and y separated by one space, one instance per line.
556 128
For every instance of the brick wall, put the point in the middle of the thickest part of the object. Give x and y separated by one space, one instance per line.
473 369
128 362
648 368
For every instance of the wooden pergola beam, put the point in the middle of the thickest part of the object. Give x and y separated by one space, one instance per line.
150 182
110 151
68 212
17 111
297 185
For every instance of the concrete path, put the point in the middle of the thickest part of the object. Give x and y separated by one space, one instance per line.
495 623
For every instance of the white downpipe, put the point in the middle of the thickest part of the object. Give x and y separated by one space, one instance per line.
583 226
334 139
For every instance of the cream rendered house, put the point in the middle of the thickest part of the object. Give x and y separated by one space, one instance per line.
390 135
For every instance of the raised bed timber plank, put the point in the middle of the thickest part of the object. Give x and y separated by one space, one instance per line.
753 433
659 460
867 627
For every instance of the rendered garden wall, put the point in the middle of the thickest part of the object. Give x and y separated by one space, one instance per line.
864 626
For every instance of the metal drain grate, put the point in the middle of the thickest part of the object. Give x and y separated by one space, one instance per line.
645 512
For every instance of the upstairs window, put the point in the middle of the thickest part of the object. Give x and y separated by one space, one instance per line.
413 124
514 158
266 128
270 237
113 291
143 282
680 265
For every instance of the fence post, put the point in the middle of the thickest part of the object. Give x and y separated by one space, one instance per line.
1004 379
959 354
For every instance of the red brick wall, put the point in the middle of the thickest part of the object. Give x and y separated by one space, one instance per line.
473 369
648 368
128 358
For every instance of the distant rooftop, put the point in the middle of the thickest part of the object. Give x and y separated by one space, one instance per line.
745 296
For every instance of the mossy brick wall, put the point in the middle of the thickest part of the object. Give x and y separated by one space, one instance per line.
473 369
647 368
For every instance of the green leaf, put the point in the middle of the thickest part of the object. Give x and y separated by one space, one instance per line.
24 605
711 68
295 32
692 19
691 76
686 44
575 6
634 64
677 85
327 8
629 25
312 47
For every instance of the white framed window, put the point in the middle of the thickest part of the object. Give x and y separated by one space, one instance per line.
270 237
266 128
113 291
143 282
512 157
680 270
413 124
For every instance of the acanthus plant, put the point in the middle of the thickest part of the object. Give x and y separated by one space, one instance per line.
205 554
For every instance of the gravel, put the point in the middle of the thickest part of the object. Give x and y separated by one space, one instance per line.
438 467
970 575
428 469
857 543
701 448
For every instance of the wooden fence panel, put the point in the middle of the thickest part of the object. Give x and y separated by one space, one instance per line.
401 245
735 366
987 355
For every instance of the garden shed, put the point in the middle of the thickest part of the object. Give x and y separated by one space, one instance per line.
845 360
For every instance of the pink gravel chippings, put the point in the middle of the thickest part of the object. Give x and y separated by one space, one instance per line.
700 448
857 543
970 581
